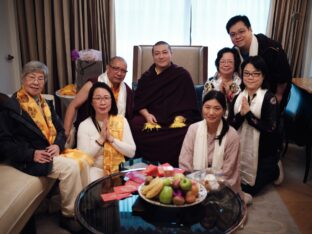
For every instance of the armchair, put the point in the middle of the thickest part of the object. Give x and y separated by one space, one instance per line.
192 58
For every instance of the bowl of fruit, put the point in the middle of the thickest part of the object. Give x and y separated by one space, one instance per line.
175 191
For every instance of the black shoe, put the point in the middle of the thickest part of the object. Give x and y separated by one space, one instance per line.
70 224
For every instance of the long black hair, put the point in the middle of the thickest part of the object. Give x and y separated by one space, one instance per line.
220 97
114 108
260 65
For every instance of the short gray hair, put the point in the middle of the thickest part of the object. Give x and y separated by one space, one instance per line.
35 66
117 58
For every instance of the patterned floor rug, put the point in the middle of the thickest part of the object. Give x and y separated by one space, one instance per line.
268 214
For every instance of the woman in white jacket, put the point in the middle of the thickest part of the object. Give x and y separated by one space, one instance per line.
105 135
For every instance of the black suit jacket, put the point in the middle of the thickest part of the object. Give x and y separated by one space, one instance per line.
20 137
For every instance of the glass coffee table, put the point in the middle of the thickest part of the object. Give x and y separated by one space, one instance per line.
221 212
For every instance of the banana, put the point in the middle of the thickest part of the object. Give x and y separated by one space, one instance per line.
157 187
148 187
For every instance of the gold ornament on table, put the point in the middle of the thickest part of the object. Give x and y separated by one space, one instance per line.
179 122
149 126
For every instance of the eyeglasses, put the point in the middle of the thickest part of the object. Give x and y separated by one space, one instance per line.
226 62
32 79
99 99
252 74
240 32
118 69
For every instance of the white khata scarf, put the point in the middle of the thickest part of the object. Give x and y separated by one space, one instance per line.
249 138
200 157
122 96
253 50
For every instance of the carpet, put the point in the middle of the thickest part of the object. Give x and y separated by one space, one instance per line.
268 214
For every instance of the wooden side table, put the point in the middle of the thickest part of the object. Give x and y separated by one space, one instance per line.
303 83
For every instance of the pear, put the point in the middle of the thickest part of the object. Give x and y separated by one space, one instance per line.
166 194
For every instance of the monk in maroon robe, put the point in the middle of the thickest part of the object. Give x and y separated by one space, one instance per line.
164 106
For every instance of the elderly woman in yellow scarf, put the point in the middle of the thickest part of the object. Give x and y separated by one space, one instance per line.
32 137
105 135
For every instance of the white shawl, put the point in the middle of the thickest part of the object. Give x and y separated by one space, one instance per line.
253 50
200 157
122 96
249 138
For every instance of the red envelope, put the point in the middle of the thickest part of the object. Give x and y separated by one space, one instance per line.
123 195
133 183
136 176
125 189
114 196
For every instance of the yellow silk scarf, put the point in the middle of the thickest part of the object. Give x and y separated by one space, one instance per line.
112 158
43 120
40 113
79 156
115 92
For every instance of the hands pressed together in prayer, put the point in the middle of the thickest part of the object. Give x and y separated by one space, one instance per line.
46 155
245 108
225 88
105 134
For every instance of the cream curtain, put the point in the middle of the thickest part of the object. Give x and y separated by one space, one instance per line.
144 22
288 26
50 29
182 22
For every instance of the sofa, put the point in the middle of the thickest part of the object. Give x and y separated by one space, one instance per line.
21 194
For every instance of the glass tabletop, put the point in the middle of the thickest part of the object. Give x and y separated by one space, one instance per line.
221 212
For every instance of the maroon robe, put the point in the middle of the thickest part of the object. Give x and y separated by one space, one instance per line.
166 95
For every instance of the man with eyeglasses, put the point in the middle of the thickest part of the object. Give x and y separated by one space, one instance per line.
114 77
249 44
279 72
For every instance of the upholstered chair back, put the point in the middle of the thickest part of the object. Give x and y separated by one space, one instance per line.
192 58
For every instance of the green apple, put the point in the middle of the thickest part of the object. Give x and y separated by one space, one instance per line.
178 176
185 184
166 194
167 181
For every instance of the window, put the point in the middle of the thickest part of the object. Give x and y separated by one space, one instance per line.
182 22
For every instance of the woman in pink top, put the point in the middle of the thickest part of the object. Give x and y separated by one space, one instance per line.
212 142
